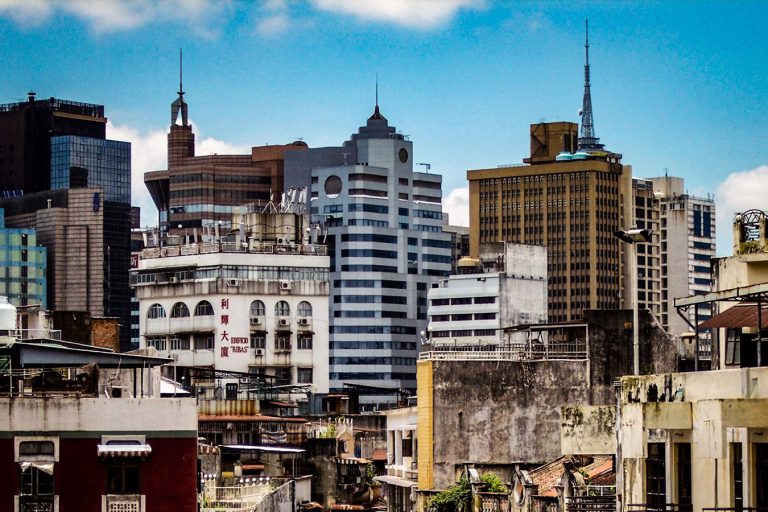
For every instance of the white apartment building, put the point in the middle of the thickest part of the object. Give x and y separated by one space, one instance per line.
254 306
472 308
687 246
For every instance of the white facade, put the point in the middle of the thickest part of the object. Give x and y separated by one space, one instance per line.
687 245
474 309
260 310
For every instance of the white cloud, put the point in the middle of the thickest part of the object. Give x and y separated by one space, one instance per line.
112 15
27 13
420 14
739 192
456 205
273 25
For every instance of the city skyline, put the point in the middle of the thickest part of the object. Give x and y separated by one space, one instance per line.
674 87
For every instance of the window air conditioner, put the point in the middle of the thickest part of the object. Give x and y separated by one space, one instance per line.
259 351
255 321
303 321
285 285
232 282
173 280
282 322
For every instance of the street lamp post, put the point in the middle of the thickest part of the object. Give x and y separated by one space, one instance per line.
632 237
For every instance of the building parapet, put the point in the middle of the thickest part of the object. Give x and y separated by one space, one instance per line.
233 247
576 350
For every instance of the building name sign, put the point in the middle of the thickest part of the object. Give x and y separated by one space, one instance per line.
237 344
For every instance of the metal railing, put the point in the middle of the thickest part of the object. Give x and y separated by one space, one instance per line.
591 503
234 247
668 507
515 352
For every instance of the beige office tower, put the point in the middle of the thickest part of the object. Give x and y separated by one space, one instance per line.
570 198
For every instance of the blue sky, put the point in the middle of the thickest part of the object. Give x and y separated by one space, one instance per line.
675 85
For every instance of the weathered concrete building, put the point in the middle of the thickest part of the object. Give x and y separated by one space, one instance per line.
501 408
695 439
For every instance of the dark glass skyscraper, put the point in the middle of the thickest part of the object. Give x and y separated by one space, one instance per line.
55 145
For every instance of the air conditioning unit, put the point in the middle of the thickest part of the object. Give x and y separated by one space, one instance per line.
282 322
303 321
259 351
233 282
255 320
173 280
281 241
119 392
285 285
245 380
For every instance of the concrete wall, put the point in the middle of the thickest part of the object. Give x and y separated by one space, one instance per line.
588 429
287 497
495 413
710 410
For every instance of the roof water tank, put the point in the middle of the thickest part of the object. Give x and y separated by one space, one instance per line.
7 315
564 156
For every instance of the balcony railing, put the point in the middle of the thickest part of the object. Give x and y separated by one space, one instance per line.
516 352
591 503
233 247
36 504
668 507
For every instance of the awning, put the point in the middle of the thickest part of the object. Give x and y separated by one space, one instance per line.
266 449
107 451
743 315
45 467
395 480
171 387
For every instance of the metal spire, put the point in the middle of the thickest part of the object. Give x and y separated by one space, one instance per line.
376 113
587 140
179 105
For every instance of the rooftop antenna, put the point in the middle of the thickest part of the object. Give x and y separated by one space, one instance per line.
179 104
426 166
588 141
377 91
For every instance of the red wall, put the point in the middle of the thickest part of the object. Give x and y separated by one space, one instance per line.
168 475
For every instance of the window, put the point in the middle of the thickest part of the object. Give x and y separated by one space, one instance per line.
156 311
179 342
282 342
123 478
258 341
737 473
761 475
305 342
304 375
204 342
203 308
655 476
283 376
37 480
180 310
732 346
157 342
282 309
683 461
257 308
304 308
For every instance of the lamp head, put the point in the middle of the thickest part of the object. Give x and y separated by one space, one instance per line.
634 236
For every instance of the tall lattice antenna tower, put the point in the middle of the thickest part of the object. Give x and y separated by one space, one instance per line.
587 139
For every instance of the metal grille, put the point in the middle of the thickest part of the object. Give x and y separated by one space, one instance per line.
124 506
605 503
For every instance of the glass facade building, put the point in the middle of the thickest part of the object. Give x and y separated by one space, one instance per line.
22 266
85 162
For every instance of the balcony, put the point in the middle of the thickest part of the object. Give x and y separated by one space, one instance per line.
123 503
48 503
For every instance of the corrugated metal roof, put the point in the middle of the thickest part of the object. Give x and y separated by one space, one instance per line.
743 315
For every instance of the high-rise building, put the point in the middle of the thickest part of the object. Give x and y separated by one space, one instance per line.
571 195
687 245
204 190
646 211
22 266
570 202
387 247
58 144
26 130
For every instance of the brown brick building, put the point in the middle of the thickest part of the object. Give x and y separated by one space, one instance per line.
570 201
197 191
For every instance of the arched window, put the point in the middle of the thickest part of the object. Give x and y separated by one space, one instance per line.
203 308
282 309
304 308
257 308
179 310
156 311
